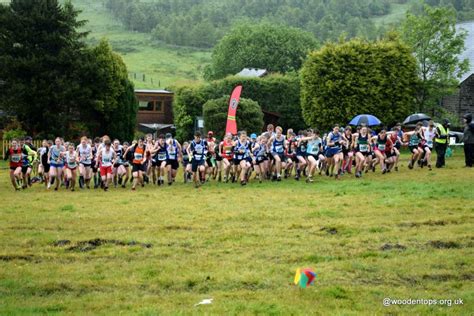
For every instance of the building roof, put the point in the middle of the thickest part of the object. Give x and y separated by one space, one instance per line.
252 72
162 91
157 126
469 45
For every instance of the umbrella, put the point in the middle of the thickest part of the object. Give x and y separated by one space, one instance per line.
413 125
365 119
415 118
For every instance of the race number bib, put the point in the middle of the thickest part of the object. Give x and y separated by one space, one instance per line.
363 147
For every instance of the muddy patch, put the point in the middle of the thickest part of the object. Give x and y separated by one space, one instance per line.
88 245
29 258
430 222
329 230
389 246
439 244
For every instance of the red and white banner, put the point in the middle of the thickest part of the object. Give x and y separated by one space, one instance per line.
231 114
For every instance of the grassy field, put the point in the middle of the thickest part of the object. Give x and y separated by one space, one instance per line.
161 64
161 250
397 13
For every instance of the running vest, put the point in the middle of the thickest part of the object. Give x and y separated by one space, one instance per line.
292 148
277 145
107 157
119 154
55 153
313 146
381 143
161 154
301 148
241 151
227 149
138 155
198 150
429 136
71 160
184 152
335 138
260 152
171 151
85 154
414 140
15 157
363 143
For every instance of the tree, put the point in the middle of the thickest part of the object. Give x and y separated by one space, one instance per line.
40 53
249 115
114 97
342 80
54 83
272 47
436 46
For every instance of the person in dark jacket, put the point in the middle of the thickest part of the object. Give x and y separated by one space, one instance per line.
468 140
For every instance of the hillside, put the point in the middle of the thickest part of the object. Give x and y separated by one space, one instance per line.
161 64
155 64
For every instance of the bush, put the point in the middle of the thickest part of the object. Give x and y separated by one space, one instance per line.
187 105
275 93
13 133
249 116
342 80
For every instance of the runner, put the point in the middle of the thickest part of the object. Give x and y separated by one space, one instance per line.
277 149
290 153
396 136
119 170
242 157
314 150
197 150
43 168
225 151
335 143
71 162
84 151
173 154
415 137
95 151
347 150
106 158
379 144
159 154
139 161
260 159
56 163
301 153
14 154
28 156
186 162
429 134
362 148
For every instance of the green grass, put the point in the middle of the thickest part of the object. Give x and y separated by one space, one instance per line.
163 65
161 250
397 13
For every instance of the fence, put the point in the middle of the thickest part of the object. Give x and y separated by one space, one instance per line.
6 145
137 76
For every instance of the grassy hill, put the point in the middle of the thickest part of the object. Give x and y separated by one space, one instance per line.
161 64
157 65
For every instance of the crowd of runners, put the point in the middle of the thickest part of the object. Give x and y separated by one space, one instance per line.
270 156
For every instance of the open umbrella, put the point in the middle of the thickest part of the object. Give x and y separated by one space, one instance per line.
415 118
366 119
413 125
